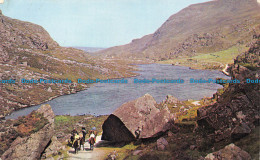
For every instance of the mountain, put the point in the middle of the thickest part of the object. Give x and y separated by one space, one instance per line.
90 49
200 28
28 52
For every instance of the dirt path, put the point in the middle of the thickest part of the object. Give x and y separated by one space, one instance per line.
96 154
196 103
225 70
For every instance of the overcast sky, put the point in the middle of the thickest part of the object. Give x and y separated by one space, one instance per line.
95 23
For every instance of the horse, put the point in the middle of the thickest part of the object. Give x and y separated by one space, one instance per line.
91 142
81 142
76 145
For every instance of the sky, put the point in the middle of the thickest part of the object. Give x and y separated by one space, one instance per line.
95 23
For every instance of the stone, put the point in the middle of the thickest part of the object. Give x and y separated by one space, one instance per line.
229 152
137 152
49 89
31 147
170 134
161 144
240 131
141 113
192 147
53 148
171 99
115 130
113 155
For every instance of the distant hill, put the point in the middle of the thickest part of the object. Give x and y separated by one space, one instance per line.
198 29
90 49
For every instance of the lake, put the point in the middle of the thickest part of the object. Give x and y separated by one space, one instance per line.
104 98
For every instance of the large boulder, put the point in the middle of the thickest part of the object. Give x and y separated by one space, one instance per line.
229 152
142 113
32 146
115 130
52 149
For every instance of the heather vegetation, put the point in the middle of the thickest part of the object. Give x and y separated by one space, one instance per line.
22 127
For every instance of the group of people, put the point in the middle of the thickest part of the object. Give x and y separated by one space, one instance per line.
78 139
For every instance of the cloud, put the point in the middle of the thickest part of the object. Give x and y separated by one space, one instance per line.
1 1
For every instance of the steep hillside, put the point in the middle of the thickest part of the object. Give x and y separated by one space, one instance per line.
28 52
200 28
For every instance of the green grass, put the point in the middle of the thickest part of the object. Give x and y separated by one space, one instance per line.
66 123
123 152
224 57
214 60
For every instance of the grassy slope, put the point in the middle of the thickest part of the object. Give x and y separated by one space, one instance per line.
214 60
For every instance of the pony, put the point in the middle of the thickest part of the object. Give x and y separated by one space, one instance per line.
91 142
81 142
76 145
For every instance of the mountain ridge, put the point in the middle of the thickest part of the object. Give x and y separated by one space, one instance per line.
200 28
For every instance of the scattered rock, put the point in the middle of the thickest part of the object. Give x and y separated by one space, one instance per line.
240 131
192 147
161 144
236 110
170 99
170 134
136 152
112 155
49 89
229 152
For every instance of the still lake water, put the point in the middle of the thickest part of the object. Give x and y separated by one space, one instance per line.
102 99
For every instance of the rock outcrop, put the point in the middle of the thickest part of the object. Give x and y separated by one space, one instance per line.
142 113
30 35
52 149
229 152
237 109
32 146
171 99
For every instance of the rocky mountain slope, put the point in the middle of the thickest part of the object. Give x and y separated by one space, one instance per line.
200 28
28 52
236 112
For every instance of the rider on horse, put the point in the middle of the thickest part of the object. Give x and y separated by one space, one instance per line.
92 137
73 134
